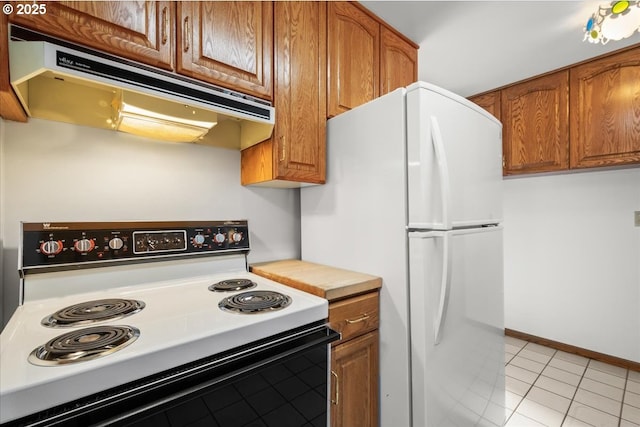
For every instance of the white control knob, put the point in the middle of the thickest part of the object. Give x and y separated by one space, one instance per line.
116 243
219 238
236 237
51 247
84 245
198 240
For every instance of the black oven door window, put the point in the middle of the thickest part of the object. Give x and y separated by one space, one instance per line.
289 393
278 382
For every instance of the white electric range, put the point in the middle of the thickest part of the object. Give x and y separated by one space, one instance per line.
158 300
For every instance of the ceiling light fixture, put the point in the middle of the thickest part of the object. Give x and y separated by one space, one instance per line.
617 21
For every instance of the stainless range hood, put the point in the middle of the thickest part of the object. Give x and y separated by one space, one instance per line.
91 88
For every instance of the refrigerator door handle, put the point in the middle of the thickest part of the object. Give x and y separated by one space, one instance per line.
443 172
445 287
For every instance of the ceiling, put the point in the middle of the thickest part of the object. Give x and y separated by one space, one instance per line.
470 47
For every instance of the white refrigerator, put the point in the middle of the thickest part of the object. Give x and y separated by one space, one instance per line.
414 195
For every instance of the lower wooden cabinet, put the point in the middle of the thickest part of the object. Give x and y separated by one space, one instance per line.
354 386
354 361
354 311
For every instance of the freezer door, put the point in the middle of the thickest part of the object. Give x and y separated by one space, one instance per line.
457 327
454 155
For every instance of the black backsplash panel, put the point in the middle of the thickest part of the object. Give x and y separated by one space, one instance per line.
84 243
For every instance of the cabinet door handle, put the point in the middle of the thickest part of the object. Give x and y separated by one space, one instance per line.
165 25
337 389
283 142
186 33
362 318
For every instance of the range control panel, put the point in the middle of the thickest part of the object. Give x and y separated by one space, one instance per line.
53 244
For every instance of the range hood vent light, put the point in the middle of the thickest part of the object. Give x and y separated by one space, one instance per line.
63 82
161 120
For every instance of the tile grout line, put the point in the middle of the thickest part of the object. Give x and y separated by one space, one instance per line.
577 387
576 392
624 393
506 364
534 381
583 376
624 389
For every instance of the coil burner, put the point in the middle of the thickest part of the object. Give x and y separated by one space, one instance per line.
89 312
253 302
232 285
83 344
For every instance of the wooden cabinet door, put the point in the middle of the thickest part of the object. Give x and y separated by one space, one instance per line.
354 387
605 111
229 43
536 125
301 91
353 44
398 61
490 102
10 107
138 30
296 152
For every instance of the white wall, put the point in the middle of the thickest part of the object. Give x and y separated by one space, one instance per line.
572 259
59 172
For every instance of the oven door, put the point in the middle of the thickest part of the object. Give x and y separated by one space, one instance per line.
280 381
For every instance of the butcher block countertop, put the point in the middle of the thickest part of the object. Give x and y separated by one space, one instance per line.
321 280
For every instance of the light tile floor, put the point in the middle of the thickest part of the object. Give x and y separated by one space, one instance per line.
547 387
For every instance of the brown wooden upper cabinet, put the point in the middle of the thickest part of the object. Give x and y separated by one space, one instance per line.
228 43
353 45
10 107
366 59
582 116
312 59
296 151
398 61
536 125
490 102
605 111
320 49
142 31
